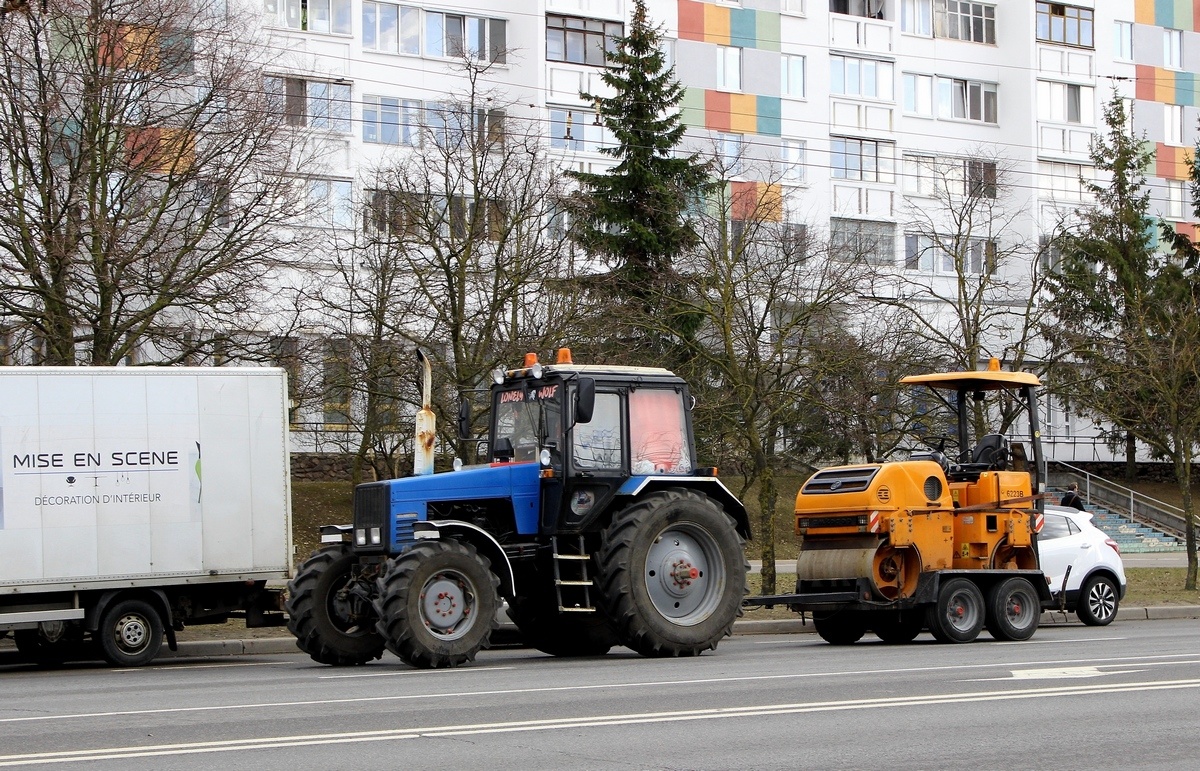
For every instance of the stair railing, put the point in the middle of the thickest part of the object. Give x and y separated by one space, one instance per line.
1139 505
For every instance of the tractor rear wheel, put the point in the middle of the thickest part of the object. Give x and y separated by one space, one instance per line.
332 624
672 573
958 614
842 627
437 604
1013 609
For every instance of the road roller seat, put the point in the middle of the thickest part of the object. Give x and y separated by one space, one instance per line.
991 453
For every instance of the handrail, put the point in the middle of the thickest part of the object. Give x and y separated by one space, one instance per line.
1159 512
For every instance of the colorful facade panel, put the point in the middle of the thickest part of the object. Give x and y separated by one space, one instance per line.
721 25
1155 84
1171 14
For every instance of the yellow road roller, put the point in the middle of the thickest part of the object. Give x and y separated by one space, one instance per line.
938 543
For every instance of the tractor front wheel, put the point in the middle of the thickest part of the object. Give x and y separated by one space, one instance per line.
672 573
437 604
333 622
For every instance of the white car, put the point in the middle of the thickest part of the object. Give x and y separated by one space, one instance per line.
1096 584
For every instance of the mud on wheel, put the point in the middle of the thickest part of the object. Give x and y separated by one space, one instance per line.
437 604
332 623
672 573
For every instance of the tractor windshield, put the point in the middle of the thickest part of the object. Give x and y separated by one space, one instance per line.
529 417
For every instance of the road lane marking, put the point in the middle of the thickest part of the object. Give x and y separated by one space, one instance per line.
1144 660
1055 673
594 721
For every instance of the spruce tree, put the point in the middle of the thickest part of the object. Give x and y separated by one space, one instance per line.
634 215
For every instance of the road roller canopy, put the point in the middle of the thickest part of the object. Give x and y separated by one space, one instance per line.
990 379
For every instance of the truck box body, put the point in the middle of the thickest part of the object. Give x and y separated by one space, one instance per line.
119 477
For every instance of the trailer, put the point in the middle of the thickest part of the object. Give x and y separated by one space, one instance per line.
137 500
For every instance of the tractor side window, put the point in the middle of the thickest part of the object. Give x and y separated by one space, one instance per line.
658 432
597 445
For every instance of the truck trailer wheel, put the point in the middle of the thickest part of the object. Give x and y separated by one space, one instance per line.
45 651
958 614
437 604
843 627
672 573
130 633
1013 609
897 627
330 624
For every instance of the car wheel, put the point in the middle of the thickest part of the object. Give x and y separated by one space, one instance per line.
1098 601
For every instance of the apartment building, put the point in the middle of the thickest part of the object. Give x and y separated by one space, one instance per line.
850 107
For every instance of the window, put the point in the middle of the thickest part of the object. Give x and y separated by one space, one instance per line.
866 78
598 445
965 20
791 155
1064 181
793 6
1066 24
729 153
918 94
391 212
577 130
658 440
979 178
1057 526
1175 193
213 202
337 384
1049 254
317 104
312 15
870 9
916 17
918 175
1066 103
391 28
1123 40
922 253
329 203
472 37
1173 49
792 76
860 239
1173 124
966 100
729 68
580 41
862 159
391 121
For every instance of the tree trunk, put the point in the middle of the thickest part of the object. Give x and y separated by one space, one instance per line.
1183 474
1130 458
766 524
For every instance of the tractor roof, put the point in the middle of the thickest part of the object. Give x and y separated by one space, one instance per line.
990 379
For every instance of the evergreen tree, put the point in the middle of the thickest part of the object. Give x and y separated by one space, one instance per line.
634 215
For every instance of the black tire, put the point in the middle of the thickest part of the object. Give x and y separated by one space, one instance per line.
35 647
840 627
437 604
1098 601
130 633
897 627
546 629
958 614
330 625
672 573
1013 609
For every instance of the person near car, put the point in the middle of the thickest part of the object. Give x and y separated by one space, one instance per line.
1072 498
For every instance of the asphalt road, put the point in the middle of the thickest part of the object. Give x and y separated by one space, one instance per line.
1122 696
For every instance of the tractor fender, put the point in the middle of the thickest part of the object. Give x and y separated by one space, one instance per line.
711 486
481 539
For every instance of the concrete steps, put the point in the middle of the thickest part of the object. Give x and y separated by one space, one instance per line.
1133 537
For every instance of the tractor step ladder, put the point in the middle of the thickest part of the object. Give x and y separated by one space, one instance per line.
573 591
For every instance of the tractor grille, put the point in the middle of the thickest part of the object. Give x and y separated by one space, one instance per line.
402 535
840 480
371 506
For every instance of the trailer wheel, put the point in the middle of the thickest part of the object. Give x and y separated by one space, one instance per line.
958 614
545 629
672 573
130 633
1013 609
332 625
1098 601
437 604
896 627
840 627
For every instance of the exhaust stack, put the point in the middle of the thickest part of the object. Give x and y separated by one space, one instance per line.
426 423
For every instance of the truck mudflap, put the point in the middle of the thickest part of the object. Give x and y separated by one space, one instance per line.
857 593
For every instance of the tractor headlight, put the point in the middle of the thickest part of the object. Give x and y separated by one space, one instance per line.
376 535
544 457
536 370
498 376
360 537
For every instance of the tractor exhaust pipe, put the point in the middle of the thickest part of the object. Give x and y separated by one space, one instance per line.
426 423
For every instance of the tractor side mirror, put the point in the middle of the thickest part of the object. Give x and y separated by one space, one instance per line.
464 418
585 400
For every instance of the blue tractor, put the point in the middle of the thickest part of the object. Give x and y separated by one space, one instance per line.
591 519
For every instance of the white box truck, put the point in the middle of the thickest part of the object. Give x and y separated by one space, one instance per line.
137 500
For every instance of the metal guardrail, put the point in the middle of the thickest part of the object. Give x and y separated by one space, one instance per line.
1139 505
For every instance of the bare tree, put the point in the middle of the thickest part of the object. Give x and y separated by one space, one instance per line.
145 174
461 249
